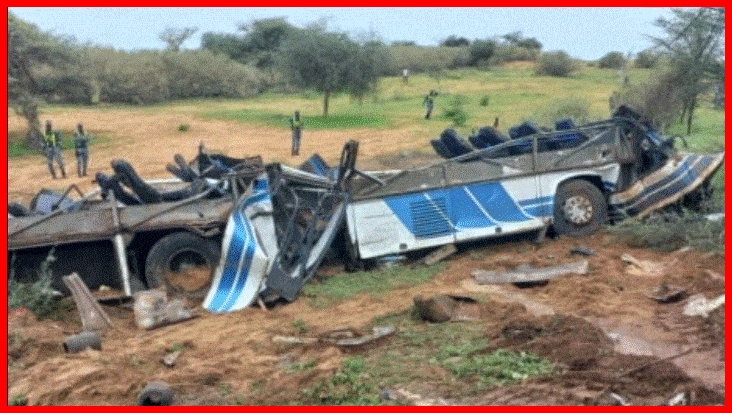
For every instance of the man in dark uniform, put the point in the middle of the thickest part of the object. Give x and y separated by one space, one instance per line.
52 149
429 102
296 126
81 150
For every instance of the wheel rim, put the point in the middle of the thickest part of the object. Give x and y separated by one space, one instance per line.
188 271
577 210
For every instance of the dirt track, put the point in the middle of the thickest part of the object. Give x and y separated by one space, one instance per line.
230 358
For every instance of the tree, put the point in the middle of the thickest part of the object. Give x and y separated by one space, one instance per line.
369 61
481 50
175 37
225 43
612 60
454 41
325 61
29 51
262 40
695 44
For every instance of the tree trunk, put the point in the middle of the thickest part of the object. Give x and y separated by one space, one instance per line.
692 105
33 135
326 98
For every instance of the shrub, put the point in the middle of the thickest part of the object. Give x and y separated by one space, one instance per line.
481 51
455 111
577 109
485 100
612 60
659 99
511 53
183 127
420 59
646 59
38 296
556 63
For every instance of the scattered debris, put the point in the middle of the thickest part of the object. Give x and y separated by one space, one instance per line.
682 250
294 340
527 274
667 294
582 250
441 308
418 400
642 268
678 400
541 234
390 261
714 275
152 309
699 305
156 393
620 400
715 217
438 255
378 333
93 317
341 337
170 358
81 341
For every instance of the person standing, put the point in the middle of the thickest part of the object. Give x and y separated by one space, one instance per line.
296 126
52 149
429 103
81 149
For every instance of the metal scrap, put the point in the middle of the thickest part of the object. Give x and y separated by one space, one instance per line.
92 316
342 337
667 294
152 309
699 305
527 274
439 254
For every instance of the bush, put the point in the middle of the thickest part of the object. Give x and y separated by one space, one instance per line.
557 63
183 127
485 100
455 111
511 53
612 60
659 99
481 51
646 59
38 296
577 109
420 59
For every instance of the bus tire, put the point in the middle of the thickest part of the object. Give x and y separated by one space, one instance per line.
580 209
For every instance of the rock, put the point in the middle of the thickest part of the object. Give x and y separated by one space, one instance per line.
437 309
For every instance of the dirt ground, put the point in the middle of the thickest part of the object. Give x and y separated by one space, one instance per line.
605 336
596 328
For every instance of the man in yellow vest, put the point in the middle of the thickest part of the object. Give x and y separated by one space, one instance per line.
52 149
296 126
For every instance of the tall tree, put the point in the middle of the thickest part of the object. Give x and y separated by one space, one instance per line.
324 61
29 51
695 44
175 37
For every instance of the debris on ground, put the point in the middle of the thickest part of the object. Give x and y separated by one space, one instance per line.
82 341
699 305
156 393
441 308
582 250
642 268
527 274
341 338
667 294
152 309
438 255
170 358
93 318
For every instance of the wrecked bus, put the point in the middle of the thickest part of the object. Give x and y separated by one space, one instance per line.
574 178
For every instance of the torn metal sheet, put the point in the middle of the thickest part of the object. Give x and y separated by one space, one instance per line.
678 177
527 274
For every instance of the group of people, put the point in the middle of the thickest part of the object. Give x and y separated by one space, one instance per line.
53 150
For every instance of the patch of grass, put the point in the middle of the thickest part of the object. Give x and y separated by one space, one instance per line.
18 400
184 127
498 367
300 327
307 365
349 386
340 287
333 121
671 231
